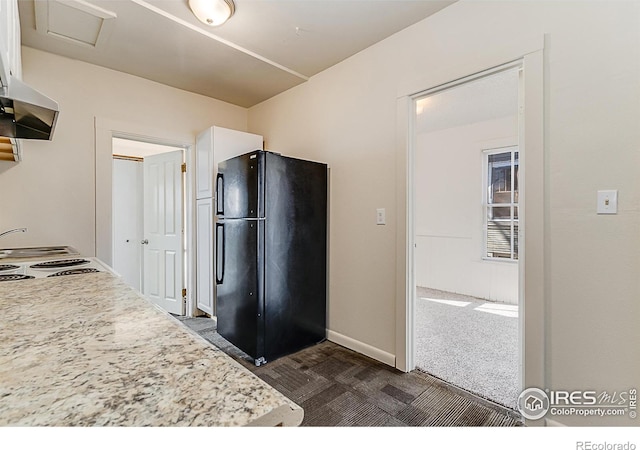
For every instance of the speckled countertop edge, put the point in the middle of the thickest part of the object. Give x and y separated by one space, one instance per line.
89 350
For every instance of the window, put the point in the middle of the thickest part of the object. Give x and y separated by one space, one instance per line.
501 203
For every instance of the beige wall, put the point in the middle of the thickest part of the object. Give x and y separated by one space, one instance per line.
449 212
346 116
52 190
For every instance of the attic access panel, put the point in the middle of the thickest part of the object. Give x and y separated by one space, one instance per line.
74 21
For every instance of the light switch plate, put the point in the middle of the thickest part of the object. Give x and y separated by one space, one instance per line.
381 218
607 202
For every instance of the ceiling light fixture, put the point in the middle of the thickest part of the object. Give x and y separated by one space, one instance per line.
212 12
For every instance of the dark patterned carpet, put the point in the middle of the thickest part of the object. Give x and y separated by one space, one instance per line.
339 387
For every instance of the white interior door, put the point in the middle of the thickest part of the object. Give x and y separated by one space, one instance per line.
163 227
127 220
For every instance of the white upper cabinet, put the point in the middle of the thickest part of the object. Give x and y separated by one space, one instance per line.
215 145
204 164
10 54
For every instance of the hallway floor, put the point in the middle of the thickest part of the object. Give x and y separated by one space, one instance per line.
469 342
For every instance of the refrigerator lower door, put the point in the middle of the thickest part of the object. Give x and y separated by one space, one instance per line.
239 304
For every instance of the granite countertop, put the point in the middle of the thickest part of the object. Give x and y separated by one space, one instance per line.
88 350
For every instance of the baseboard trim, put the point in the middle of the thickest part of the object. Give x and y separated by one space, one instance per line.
361 347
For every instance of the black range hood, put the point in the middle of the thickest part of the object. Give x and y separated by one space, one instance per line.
26 113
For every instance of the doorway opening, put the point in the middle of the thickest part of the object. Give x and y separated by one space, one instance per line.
148 217
466 234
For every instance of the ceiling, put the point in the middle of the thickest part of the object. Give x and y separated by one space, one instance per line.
267 47
491 97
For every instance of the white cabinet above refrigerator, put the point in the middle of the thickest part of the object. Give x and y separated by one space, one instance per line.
217 144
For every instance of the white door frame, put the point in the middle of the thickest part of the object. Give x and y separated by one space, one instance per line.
411 210
105 131
532 218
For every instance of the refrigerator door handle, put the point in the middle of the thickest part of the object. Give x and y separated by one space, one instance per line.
219 252
220 194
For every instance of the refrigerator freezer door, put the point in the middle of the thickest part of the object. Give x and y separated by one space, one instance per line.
239 304
239 187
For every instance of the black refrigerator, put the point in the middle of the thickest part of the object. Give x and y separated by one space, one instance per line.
271 253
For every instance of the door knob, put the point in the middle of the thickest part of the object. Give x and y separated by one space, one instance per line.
144 241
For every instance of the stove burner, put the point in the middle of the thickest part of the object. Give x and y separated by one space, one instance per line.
4 267
74 272
59 263
14 277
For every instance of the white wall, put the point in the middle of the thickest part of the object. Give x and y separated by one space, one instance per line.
52 191
346 116
449 213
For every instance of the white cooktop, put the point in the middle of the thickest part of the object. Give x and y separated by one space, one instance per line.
68 266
